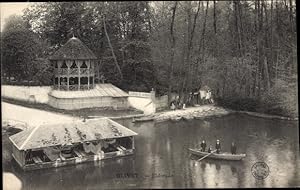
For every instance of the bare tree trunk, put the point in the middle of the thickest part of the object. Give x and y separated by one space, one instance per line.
172 52
190 47
267 73
112 50
215 31
149 18
201 48
257 31
187 73
266 65
215 25
277 48
260 23
182 71
256 49
237 25
241 25
271 46
291 13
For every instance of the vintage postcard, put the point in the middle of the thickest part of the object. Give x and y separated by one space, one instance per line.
149 95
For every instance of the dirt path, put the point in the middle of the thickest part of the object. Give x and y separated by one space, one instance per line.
14 114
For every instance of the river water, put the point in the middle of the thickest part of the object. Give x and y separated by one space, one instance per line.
162 160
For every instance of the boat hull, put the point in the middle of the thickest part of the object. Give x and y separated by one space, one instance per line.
143 120
221 156
74 161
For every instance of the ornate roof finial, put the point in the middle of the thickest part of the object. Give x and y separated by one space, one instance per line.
73 36
72 30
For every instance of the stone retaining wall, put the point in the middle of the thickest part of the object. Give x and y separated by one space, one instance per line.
33 94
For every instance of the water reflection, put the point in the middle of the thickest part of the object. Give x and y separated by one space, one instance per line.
162 159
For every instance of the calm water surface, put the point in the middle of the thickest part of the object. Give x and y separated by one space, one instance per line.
161 159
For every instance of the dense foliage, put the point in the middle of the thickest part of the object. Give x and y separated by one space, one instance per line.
20 48
244 50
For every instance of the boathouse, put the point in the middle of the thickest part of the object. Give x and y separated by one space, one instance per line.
75 67
57 145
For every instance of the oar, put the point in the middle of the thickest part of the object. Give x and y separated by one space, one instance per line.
206 155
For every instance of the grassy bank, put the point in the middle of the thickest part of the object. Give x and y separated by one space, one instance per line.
258 106
104 112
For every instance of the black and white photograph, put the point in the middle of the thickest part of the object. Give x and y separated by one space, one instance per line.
149 95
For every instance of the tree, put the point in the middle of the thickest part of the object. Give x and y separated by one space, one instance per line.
241 49
57 21
173 43
20 47
125 24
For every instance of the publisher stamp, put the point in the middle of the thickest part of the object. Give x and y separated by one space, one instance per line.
260 170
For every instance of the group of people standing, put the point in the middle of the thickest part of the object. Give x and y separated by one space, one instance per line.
218 147
177 104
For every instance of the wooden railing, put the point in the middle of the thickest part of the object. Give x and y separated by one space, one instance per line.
73 87
140 94
84 71
73 71
84 87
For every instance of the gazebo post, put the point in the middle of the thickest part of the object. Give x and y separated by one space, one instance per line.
58 73
58 82
132 139
93 73
68 75
89 66
78 63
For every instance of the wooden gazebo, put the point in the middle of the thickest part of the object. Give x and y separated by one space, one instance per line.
74 66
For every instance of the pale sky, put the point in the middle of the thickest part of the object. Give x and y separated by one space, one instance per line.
8 9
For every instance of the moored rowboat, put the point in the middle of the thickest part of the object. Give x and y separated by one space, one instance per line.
143 119
221 156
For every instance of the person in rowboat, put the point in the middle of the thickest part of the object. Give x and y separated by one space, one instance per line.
218 146
203 146
209 149
233 148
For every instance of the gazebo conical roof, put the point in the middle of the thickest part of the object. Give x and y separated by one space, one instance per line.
74 49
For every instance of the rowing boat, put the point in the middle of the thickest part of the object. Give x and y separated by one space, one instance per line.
143 119
221 156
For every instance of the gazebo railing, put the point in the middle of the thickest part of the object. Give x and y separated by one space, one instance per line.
63 71
84 87
73 87
84 71
63 87
73 71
